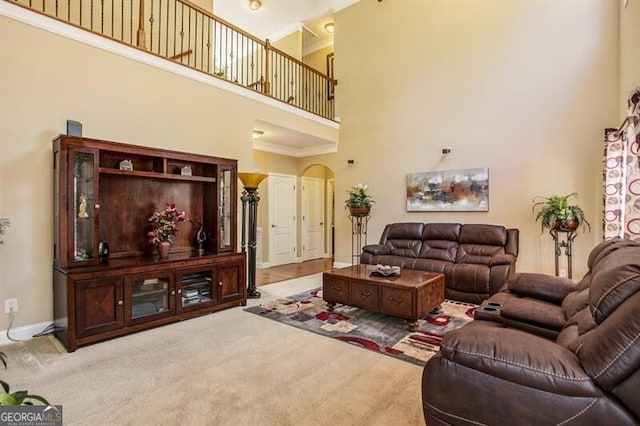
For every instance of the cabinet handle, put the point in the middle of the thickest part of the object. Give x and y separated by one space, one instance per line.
220 283
120 303
363 294
336 289
179 291
396 301
173 292
273 226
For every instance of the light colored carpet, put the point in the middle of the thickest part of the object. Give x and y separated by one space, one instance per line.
227 368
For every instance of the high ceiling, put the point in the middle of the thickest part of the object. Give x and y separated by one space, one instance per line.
278 18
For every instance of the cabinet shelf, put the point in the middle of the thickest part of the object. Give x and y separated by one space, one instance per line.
143 293
156 175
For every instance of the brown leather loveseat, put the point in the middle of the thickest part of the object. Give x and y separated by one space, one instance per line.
475 259
588 374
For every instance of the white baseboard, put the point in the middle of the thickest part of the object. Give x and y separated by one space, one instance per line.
337 265
25 332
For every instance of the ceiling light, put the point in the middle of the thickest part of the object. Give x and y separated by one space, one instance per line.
329 27
257 134
255 4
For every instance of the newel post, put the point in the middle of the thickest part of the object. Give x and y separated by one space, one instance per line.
141 34
267 68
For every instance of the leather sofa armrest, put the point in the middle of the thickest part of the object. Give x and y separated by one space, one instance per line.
518 357
376 249
541 286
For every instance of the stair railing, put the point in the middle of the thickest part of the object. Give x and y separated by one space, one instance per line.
183 32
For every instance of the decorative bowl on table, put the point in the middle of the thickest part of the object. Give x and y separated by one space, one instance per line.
386 270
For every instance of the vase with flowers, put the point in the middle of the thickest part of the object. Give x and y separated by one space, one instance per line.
359 201
164 225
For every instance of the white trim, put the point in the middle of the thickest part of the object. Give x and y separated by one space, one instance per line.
23 333
43 22
337 265
294 152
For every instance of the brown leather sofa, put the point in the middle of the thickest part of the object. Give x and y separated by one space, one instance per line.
501 372
475 259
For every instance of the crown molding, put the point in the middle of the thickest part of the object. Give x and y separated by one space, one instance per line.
295 152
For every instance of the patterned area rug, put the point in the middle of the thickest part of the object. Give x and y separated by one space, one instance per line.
377 332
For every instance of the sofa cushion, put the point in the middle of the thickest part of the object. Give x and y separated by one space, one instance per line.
439 250
441 231
477 254
490 235
404 248
404 239
403 231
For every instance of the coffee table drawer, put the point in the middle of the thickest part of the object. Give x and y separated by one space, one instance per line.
335 290
397 302
364 295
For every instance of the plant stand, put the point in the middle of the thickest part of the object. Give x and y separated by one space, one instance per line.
358 231
561 242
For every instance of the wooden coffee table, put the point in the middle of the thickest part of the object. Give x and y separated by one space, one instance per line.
411 295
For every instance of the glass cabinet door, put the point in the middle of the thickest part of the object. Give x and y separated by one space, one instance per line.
83 217
196 288
149 296
226 180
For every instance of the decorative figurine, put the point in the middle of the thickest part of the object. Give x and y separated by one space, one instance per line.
126 165
82 206
201 236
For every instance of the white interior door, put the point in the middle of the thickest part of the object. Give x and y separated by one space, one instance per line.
312 218
330 217
282 219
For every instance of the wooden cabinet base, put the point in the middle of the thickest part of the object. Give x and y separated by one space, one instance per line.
102 302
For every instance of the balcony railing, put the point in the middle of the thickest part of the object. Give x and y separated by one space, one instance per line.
187 34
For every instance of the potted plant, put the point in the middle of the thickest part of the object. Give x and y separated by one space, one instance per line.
359 202
555 213
164 226
4 224
17 397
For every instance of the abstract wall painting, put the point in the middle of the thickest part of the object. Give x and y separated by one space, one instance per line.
448 190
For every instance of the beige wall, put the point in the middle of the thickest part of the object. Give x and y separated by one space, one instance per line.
318 59
291 44
629 51
513 86
46 79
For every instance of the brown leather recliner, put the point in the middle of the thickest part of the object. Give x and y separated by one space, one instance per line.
542 304
490 372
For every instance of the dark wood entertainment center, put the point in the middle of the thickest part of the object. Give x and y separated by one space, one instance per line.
104 193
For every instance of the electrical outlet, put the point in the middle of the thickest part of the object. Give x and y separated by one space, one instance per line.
10 305
563 273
